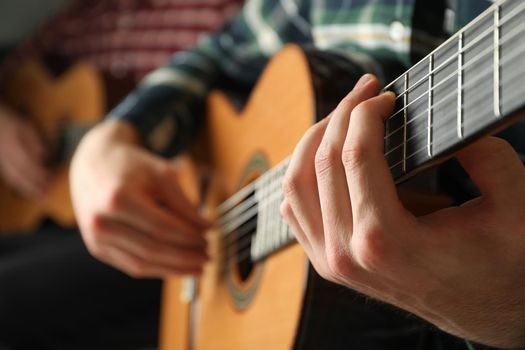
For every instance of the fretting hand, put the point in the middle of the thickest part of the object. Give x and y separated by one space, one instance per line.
460 268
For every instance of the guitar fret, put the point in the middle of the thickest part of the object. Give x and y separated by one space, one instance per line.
267 219
460 87
258 243
430 104
274 217
283 232
497 49
405 122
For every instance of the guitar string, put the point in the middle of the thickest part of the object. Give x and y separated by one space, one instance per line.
240 248
448 97
453 94
238 210
244 192
516 11
247 207
273 187
239 252
243 246
464 66
235 247
234 223
441 101
250 201
268 201
489 13
273 199
232 240
242 251
452 75
432 91
243 256
266 185
244 230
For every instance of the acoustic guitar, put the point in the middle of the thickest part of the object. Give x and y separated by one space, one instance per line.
62 109
259 291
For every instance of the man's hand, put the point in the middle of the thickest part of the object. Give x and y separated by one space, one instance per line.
22 155
461 268
130 208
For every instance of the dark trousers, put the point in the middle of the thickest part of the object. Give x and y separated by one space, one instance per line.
54 295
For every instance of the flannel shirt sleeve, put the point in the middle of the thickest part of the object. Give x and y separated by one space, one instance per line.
168 106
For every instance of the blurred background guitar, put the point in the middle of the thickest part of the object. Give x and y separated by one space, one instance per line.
62 108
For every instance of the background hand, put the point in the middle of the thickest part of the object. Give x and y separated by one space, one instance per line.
22 155
461 268
130 208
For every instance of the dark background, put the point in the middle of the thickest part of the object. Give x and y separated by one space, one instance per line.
19 18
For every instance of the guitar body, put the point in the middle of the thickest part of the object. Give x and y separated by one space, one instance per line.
51 104
247 314
238 305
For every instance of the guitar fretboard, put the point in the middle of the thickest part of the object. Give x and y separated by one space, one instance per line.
467 87
463 89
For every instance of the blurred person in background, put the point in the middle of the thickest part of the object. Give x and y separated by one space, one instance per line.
53 294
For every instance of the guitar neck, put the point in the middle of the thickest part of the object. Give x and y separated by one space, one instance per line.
468 87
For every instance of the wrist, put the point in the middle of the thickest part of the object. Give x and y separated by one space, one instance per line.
105 138
112 132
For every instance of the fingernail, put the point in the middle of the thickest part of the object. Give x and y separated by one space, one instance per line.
363 80
391 94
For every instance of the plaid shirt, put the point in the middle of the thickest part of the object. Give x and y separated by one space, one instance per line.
168 107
